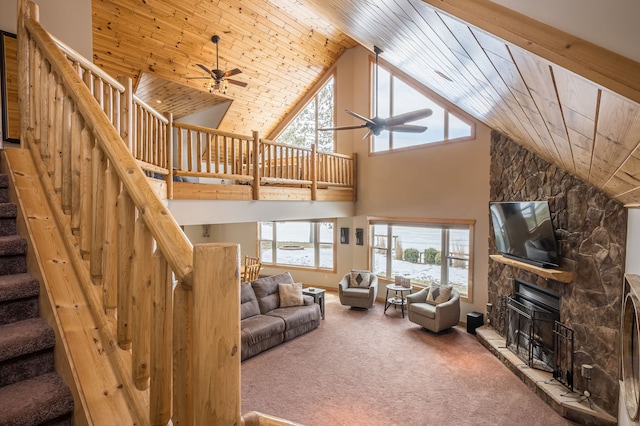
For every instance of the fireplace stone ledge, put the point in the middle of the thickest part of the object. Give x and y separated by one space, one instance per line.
542 383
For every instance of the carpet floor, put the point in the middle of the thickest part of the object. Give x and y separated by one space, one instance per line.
368 368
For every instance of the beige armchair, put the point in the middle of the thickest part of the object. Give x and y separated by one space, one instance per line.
434 317
358 296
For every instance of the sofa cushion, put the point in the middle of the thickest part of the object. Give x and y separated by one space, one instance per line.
296 317
439 294
359 279
259 333
266 290
248 301
356 292
290 294
261 327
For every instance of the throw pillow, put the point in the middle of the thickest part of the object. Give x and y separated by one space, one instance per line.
359 279
439 294
290 295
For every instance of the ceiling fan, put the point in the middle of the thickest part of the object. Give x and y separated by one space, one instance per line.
220 80
376 125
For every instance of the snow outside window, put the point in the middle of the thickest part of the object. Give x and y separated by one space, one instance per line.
427 253
298 243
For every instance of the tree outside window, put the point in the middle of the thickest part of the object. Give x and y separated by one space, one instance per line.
318 113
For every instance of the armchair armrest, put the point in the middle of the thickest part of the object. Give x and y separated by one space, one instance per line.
373 285
448 313
343 284
419 297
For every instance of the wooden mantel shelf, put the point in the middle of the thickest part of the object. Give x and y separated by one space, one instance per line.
549 273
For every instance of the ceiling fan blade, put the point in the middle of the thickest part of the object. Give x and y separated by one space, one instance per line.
407 128
231 72
206 69
198 78
361 126
356 115
408 117
236 82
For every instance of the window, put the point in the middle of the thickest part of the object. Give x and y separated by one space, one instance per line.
318 113
396 97
298 243
426 252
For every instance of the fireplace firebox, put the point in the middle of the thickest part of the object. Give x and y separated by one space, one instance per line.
532 315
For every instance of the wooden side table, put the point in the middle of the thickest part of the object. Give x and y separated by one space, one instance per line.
318 297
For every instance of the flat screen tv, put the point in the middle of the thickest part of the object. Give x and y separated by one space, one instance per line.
523 231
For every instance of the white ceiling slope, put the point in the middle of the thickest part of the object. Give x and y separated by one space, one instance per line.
569 101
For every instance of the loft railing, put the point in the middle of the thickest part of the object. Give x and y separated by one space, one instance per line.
175 347
208 153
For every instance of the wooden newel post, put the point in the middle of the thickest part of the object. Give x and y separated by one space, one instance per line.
216 334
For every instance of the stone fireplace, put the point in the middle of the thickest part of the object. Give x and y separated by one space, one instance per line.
591 233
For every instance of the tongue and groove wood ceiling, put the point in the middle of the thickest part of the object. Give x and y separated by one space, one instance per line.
571 102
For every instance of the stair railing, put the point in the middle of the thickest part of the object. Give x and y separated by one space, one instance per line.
127 248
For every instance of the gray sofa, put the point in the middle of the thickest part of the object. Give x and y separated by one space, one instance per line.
264 324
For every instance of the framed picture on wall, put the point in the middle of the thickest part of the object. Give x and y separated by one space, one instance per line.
359 236
344 235
9 87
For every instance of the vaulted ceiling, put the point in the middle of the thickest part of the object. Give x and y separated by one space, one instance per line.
571 102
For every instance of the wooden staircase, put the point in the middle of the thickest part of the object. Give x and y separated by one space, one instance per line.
31 392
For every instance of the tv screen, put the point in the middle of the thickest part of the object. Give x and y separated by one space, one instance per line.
523 231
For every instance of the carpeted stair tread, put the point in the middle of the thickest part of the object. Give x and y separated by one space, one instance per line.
24 337
35 401
18 286
8 210
4 180
18 297
8 213
13 245
26 367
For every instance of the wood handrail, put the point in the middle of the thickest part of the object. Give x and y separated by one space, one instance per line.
163 226
87 64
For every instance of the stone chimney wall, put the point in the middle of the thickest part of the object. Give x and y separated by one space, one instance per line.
591 232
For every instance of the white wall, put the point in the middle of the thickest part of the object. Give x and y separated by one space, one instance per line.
68 20
612 24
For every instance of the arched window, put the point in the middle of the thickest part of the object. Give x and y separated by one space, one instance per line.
396 97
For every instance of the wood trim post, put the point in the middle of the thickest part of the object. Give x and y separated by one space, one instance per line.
256 165
169 142
126 111
216 334
314 173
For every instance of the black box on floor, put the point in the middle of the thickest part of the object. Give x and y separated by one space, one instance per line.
474 320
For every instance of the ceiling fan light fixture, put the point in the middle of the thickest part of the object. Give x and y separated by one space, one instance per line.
218 79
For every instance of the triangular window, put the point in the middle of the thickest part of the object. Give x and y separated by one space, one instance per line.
316 114
396 97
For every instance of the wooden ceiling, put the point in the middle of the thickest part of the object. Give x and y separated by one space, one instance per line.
571 102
